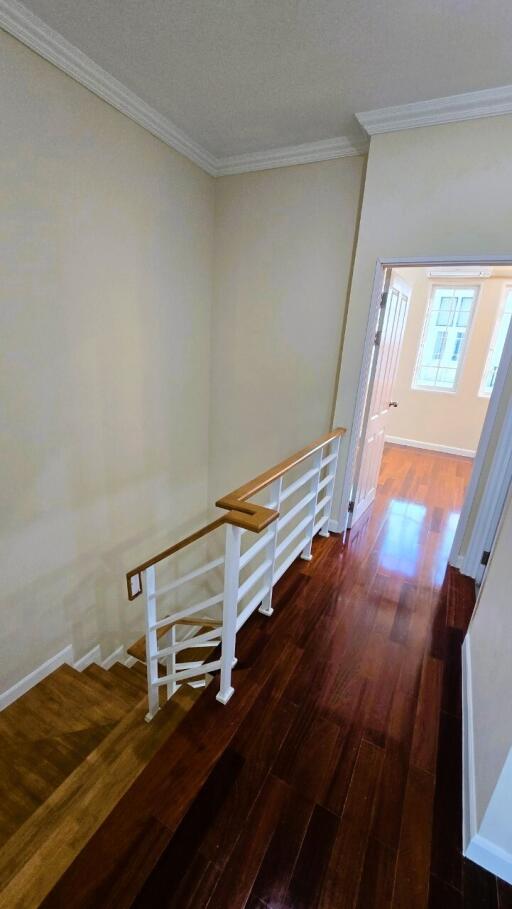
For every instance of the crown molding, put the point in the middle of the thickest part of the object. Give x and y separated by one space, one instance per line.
491 102
307 153
28 28
20 22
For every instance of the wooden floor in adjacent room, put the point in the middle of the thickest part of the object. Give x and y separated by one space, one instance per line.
333 776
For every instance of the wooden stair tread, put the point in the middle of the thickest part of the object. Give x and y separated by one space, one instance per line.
187 696
140 669
192 654
87 691
125 675
31 770
138 648
61 703
36 856
112 683
195 654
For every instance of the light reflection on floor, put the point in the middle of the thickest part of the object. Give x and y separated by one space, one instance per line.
403 536
401 545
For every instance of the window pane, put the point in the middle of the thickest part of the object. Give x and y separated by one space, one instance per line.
445 313
442 344
457 346
439 345
464 312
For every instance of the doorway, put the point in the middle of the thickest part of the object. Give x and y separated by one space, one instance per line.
437 376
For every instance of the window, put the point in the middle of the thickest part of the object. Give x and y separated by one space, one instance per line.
442 344
497 345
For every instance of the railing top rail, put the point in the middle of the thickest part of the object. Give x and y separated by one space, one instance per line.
137 572
240 512
268 476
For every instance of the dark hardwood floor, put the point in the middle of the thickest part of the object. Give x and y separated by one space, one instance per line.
333 776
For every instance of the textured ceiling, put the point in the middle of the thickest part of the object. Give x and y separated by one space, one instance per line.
245 75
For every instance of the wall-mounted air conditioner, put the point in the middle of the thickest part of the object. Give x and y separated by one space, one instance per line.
462 271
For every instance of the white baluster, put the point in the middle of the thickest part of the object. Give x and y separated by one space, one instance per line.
324 530
274 503
151 644
229 610
313 487
170 664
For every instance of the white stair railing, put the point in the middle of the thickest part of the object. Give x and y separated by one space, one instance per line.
250 573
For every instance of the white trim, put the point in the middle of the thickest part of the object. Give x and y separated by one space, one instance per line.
495 480
469 815
420 261
130 661
37 675
506 292
491 102
19 21
324 150
431 446
32 31
475 847
92 656
356 426
491 857
492 501
117 656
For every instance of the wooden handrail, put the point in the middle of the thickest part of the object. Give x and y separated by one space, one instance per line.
239 512
236 500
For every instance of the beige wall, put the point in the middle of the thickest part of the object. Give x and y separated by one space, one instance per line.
490 638
106 249
452 419
284 242
430 192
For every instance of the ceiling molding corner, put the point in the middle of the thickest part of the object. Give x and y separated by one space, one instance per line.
32 31
490 102
28 28
307 153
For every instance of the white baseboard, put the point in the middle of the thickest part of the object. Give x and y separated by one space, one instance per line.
469 815
66 655
130 661
334 526
431 446
92 656
491 857
477 848
12 694
457 561
117 656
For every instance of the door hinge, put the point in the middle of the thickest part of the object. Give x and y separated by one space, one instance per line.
485 557
383 298
351 507
377 338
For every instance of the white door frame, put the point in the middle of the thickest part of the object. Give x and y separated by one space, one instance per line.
498 480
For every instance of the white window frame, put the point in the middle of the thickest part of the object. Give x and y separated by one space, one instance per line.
433 286
482 390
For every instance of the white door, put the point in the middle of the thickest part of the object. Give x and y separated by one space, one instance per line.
379 402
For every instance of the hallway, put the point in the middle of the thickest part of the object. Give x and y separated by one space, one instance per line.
333 777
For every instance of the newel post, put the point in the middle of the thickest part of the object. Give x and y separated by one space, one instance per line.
229 610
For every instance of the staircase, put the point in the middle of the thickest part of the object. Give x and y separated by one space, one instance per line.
74 744
71 747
